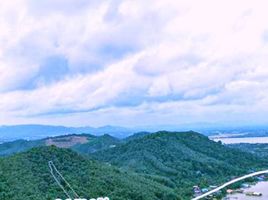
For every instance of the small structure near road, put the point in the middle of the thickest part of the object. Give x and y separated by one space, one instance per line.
197 191
230 183
245 185
256 194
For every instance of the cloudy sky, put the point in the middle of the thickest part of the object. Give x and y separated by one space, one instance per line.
133 62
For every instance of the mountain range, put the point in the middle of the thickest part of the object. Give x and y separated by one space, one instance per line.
161 165
180 159
35 131
85 143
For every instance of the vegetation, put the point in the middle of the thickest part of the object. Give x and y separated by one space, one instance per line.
95 143
260 150
17 146
136 136
162 165
181 160
26 176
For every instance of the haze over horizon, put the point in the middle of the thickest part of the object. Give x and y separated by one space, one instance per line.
133 63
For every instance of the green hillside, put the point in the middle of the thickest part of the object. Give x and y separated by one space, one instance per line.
98 143
162 165
260 150
82 143
26 176
181 160
17 146
136 136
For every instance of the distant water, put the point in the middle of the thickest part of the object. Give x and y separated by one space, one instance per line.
251 140
261 187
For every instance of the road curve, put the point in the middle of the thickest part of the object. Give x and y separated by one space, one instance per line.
229 183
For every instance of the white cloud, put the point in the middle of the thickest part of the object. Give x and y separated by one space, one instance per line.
150 61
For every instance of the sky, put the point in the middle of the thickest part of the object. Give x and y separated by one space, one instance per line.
133 62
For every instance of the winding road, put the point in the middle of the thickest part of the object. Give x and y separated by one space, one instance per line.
229 183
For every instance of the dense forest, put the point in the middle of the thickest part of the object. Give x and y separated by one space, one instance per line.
97 144
157 166
260 150
27 176
181 160
17 146
93 144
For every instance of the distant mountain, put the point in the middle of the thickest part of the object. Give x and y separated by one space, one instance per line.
98 143
33 132
82 143
165 162
27 176
260 150
136 136
180 159
237 131
17 146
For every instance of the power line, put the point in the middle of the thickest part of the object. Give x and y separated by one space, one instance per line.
53 168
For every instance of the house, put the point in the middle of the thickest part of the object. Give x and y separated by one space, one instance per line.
229 191
196 190
245 185
204 190
213 186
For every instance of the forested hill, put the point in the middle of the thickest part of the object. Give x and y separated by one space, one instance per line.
162 165
83 143
181 160
26 176
260 150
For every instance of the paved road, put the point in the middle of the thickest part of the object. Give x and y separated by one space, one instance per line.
231 182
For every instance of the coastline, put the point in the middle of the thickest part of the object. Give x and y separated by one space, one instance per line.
258 187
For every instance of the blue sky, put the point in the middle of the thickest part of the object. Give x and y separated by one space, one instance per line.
133 63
